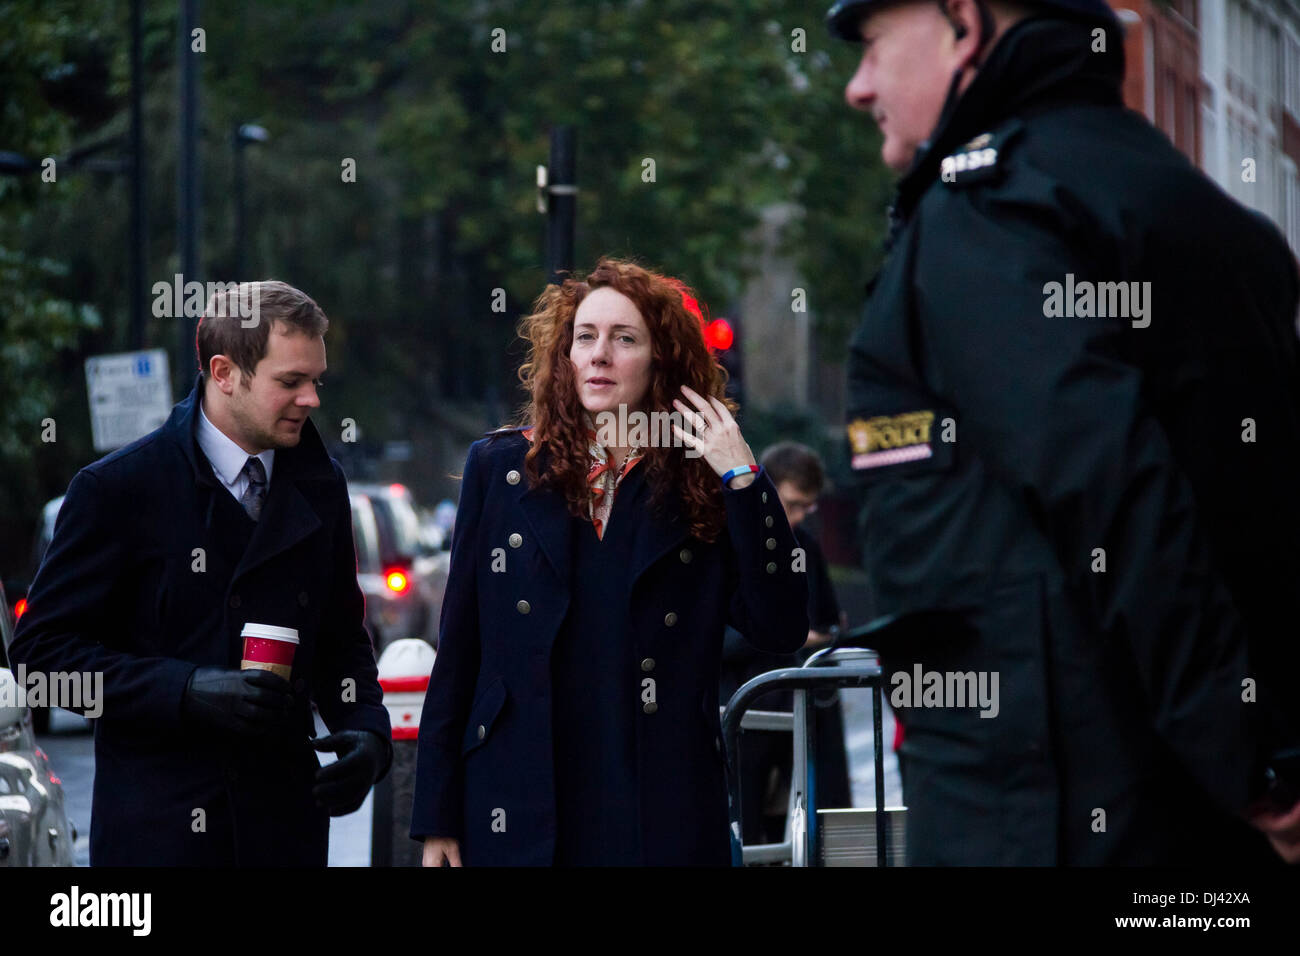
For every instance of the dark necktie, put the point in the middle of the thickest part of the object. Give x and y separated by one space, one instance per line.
255 493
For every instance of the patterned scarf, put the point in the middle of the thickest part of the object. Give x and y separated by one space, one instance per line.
601 478
604 483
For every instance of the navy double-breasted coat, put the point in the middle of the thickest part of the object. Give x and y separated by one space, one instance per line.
485 774
142 583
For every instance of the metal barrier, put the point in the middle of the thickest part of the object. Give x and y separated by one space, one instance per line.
803 845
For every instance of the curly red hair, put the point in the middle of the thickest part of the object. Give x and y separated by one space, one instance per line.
679 356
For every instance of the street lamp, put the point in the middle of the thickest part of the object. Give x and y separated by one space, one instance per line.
16 164
84 159
245 134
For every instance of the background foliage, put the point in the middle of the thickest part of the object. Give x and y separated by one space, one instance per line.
446 135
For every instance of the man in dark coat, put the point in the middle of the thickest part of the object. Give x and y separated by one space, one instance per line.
232 512
1073 404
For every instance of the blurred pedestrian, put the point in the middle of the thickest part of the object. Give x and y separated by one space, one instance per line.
1073 403
572 714
766 759
232 512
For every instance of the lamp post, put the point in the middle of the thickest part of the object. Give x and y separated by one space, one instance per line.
139 230
187 187
84 159
244 134
557 197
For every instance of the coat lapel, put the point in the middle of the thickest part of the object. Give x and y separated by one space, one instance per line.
288 517
548 515
549 518
656 536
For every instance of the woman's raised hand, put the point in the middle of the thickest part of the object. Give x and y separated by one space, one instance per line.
439 849
717 436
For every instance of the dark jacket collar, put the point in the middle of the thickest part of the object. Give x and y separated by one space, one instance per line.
307 460
1040 63
548 513
288 516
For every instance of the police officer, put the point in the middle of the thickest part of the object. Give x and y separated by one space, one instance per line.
1073 406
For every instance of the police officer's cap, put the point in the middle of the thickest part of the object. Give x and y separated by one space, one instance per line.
845 17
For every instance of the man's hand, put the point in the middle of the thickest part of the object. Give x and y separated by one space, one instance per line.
1282 827
248 703
438 850
341 787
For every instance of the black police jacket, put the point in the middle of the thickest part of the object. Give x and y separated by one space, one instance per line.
1073 408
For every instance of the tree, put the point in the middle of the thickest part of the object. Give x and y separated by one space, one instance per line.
53 71
445 110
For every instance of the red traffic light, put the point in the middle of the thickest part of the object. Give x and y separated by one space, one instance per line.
718 335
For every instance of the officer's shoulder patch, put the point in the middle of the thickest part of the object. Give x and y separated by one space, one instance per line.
980 159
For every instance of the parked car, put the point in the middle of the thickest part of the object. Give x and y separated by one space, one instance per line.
34 826
402 574
18 587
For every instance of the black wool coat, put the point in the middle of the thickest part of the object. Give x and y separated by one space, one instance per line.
120 593
485 773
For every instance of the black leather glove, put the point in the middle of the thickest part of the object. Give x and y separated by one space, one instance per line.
341 787
249 703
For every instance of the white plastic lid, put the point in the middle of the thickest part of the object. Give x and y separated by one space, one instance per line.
270 631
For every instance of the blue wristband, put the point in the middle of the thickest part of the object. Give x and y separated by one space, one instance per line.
739 470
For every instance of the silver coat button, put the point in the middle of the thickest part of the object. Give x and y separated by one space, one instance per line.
516 540
670 618
765 497
771 544
768 521
650 708
522 607
512 477
648 664
685 555
771 567
482 731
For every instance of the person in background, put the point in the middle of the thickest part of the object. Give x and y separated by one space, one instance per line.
799 476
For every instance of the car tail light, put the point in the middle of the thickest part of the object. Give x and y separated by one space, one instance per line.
397 581
19 608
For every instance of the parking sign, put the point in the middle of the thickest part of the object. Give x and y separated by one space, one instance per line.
130 396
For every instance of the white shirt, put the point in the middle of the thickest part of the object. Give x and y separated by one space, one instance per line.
227 458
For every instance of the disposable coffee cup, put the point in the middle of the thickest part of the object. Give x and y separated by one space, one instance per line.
269 648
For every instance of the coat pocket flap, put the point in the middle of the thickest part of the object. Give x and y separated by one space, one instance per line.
483 715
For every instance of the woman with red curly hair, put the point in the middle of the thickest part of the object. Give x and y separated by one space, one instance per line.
601 547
